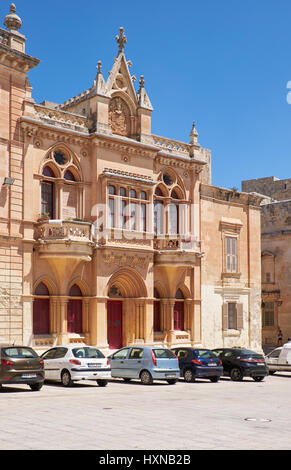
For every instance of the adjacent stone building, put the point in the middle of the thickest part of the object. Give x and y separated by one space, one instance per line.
276 256
110 234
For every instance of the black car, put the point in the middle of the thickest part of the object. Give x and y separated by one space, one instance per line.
201 363
239 363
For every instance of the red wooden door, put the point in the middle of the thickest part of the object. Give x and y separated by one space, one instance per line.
74 316
157 316
114 324
179 316
41 316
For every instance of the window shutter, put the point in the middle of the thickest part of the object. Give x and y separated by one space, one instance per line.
224 316
240 316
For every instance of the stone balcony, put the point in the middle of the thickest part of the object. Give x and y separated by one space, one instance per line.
176 250
67 239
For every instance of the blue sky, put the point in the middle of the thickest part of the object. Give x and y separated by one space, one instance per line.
224 64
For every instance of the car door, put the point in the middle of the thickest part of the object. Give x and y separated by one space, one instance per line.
133 364
183 358
273 359
48 357
117 363
227 357
58 363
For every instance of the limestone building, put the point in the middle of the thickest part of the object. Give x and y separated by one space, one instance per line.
110 234
276 255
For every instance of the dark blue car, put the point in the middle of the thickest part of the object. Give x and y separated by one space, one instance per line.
201 363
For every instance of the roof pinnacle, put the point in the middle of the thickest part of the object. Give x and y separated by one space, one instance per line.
121 40
12 21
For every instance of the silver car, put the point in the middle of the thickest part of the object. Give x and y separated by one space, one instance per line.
73 362
146 363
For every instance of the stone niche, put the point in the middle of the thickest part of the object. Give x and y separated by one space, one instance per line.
119 117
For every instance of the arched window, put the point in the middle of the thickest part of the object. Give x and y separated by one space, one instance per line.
158 217
41 310
47 171
41 289
68 175
75 291
47 193
111 190
158 192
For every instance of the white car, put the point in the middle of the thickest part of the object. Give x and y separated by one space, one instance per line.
279 359
74 362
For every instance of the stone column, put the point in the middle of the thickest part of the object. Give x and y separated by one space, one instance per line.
171 331
85 319
99 323
27 302
148 307
53 315
63 332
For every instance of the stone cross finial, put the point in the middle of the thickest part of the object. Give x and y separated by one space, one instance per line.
121 40
99 66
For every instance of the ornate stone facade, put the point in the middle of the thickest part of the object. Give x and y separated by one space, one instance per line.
113 235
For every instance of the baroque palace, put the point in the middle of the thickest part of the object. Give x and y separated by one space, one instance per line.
112 235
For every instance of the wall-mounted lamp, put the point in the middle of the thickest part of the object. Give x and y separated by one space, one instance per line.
8 182
279 302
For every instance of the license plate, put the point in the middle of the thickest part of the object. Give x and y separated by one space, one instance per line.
94 365
212 365
28 376
171 376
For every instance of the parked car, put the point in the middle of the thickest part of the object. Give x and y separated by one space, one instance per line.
146 363
71 363
21 365
239 363
201 363
279 359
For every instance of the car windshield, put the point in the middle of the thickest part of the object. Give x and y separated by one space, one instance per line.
163 354
204 354
90 353
19 352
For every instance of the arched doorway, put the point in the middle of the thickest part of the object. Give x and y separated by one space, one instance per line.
179 311
74 314
41 310
114 318
126 308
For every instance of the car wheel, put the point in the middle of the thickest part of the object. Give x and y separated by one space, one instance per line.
146 378
126 379
236 374
214 379
189 376
36 387
102 383
66 379
258 378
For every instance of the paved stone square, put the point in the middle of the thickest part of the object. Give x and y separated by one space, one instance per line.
217 416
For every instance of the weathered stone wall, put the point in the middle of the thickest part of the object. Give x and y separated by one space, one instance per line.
271 186
10 293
